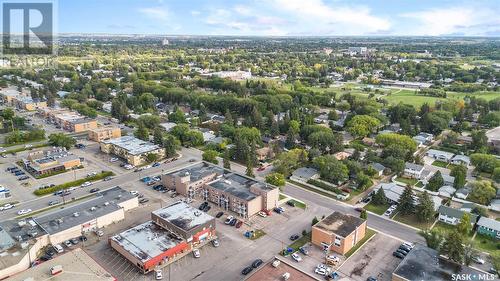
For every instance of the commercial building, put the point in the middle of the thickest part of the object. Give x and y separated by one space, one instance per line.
228 190
76 265
68 120
50 161
22 240
104 133
338 232
423 263
173 232
132 149
13 97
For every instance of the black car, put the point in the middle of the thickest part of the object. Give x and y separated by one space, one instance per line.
203 206
45 258
219 214
256 263
83 238
401 251
246 270
404 247
233 222
294 237
371 278
290 203
143 200
50 252
398 255
207 208
93 190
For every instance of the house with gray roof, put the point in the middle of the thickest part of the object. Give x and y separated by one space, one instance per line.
463 192
460 160
446 191
488 227
453 216
304 174
413 170
379 168
440 155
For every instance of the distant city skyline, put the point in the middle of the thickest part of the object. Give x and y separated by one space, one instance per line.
280 17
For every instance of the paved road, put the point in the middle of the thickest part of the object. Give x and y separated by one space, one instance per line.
42 202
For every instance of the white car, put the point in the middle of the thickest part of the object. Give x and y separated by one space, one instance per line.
409 245
134 192
262 214
393 207
6 207
320 271
28 146
2 150
59 249
114 159
296 257
333 258
216 243
229 219
23 211
158 274
68 243
388 212
99 233
196 253
478 260
85 184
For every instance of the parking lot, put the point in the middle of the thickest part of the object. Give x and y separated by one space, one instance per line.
373 259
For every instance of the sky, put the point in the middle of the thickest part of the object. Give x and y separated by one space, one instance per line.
281 17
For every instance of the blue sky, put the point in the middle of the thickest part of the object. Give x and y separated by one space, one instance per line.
281 17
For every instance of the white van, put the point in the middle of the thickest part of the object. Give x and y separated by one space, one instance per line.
59 249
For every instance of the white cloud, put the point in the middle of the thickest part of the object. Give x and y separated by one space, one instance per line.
157 13
455 20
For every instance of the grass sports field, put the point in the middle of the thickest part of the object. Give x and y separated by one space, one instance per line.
409 97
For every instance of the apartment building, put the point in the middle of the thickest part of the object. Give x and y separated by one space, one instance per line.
132 149
11 96
68 120
338 232
104 133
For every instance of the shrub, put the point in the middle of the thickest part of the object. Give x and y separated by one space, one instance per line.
67 185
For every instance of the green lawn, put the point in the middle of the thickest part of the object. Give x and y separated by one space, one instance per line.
281 197
407 180
377 209
257 234
314 190
300 242
369 233
441 164
486 244
412 220
409 97
444 228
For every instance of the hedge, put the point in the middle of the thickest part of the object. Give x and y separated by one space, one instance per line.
324 186
67 185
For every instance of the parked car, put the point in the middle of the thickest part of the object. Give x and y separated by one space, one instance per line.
246 270
401 251
203 205
262 214
404 247
68 243
114 159
134 192
74 241
398 255
229 219
256 263
290 203
294 237
156 164
99 233
219 214
59 249
6 207
478 259
50 251
24 211
83 238
320 271
233 222
158 274
304 250
296 257
215 243
358 209
239 224
94 190
388 212
196 253
371 278
23 178
279 210
367 200
143 200
108 178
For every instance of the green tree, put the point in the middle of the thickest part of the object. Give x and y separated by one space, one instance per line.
379 197
142 132
495 260
425 208
158 136
363 214
435 182
484 162
482 192
463 227
249 169
276 179
406 202
433 238
314 221
171 144
293 133
288 161
151 157
331 169
479 139
62 140
226 160
453 246
469 254
362 125
460 173
496 174
210 156
177 116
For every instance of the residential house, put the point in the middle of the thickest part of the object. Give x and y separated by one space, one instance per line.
493 136
338 232
468 207
264 153
423 138
440 155
453 216
447 179
168 126
304 174
489 227
379 168
413 171
447 191
460 160
463 192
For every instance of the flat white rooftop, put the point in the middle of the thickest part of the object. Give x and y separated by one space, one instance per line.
133 145
183 215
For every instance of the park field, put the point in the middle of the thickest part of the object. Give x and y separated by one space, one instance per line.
409 97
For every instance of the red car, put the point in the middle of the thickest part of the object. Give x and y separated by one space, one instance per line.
346 190
239 224
267 212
